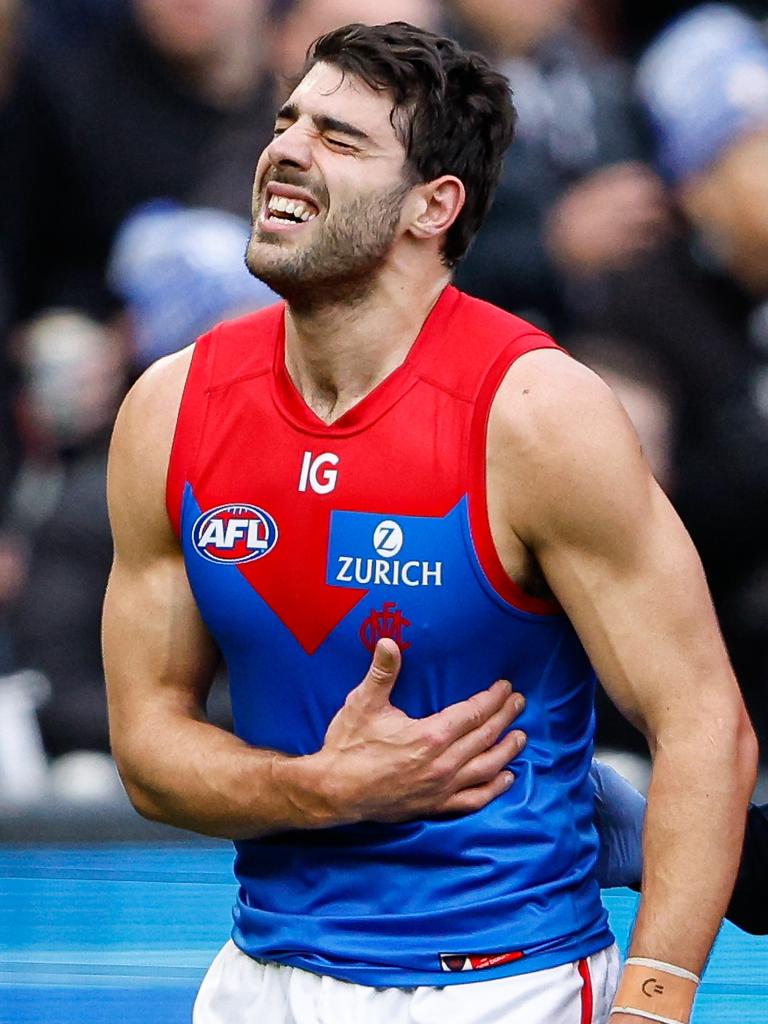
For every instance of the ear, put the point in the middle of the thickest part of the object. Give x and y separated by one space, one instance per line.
434 206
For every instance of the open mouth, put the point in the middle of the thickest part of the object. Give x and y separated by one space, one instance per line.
282 209
296 210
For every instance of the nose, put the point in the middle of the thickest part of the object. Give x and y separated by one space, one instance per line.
291 148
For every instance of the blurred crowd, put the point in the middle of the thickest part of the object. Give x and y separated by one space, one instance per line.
631 221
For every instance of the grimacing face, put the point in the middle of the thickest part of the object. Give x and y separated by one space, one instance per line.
329 191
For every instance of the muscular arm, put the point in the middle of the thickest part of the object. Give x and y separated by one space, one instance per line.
566 467
159 658
375 762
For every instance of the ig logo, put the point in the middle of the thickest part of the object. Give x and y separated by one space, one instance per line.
387 538
314 473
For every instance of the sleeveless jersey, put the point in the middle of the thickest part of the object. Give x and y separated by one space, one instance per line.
304 543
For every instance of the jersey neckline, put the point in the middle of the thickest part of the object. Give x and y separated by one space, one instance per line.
294 408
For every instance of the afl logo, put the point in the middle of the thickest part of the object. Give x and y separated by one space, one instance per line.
234 533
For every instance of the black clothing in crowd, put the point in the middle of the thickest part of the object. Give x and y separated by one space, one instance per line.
96 124
711 338
576 115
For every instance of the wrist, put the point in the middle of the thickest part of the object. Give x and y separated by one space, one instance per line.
656 991
309 791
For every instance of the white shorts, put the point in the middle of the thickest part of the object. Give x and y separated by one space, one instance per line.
240 990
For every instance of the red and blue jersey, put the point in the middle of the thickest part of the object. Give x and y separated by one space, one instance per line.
304 543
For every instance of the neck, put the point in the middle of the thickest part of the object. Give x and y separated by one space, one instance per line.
337 354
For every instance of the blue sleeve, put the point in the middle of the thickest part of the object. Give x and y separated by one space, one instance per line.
619 817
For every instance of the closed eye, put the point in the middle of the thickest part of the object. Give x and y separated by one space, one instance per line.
339 143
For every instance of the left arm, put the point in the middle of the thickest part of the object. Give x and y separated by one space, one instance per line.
581 498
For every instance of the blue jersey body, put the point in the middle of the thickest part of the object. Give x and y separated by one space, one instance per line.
303 545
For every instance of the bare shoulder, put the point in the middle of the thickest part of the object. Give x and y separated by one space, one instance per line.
548 396
563 447
149 411
141 446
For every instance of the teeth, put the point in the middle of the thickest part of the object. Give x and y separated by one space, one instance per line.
293 207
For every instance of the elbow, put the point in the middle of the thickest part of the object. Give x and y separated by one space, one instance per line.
138 794
142 802
746 751
737 750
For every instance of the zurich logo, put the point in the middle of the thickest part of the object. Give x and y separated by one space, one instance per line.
234 533
387 538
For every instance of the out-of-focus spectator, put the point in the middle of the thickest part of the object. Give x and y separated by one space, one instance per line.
646 391
700 305
634 26
296 23
10 555
178 272
9 15
167 101
575 197
651 400
74 374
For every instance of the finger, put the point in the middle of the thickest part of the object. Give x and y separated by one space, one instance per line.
378 681
486 766
485 735
463 717
474 799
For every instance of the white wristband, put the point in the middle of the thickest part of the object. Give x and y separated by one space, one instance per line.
645 1014
679 972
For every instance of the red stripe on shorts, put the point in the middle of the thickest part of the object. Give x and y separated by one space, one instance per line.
587 1005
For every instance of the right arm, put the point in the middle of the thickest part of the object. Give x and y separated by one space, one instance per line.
375 763
159 659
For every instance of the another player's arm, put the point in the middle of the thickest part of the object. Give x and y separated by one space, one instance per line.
376 763
580 496
620 815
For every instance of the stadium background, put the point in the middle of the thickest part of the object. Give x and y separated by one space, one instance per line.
630 221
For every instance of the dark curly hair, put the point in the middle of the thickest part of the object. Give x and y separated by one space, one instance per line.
452 112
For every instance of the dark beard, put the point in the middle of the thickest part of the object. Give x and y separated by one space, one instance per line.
339 267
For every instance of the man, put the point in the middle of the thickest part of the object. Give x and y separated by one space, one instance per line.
384 459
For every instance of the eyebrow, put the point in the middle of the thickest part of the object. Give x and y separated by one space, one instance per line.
325 123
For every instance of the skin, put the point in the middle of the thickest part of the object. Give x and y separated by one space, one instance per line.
607 220
569 494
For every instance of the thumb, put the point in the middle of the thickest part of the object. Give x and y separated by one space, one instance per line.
383 671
